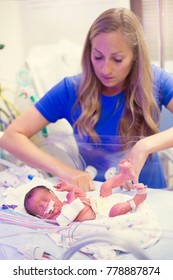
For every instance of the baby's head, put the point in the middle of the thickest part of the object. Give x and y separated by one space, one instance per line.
40 201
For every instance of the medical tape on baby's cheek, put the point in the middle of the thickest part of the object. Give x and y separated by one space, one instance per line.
50 207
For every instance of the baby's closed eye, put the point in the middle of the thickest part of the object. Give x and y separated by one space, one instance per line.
41 209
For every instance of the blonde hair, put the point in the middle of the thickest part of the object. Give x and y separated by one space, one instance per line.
141 114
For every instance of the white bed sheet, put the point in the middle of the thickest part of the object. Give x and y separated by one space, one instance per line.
161 202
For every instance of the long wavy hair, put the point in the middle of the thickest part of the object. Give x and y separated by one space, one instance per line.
141 114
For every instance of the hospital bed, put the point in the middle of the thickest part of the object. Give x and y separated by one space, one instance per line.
26 237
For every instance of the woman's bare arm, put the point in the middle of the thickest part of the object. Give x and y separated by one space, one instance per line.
151 144
16 140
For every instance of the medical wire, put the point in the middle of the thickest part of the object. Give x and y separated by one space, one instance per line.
30 252
10 111
74 246
8 102
90 239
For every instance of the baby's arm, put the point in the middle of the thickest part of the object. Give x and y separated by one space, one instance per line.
63 186
66 186
73 191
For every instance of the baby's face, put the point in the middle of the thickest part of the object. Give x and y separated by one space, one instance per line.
45 204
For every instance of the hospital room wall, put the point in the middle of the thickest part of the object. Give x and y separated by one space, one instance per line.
28 23
157 20
11 30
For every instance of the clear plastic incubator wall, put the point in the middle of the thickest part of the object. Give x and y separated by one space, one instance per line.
142 234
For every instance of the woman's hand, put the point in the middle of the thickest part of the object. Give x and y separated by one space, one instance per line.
63 185
78 178
138 156
128 186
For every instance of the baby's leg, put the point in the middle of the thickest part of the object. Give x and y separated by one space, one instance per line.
141 194
125 207
126 172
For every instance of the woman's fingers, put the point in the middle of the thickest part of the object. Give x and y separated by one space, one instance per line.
128 185
84 181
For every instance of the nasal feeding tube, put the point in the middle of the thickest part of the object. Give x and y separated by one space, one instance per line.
50 207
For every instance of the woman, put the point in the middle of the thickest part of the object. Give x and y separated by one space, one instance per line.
117 99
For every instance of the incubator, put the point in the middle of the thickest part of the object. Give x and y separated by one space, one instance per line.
29 237
101 160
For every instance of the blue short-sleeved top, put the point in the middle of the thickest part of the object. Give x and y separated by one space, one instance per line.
59 102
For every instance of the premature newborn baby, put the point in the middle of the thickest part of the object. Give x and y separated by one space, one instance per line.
43 203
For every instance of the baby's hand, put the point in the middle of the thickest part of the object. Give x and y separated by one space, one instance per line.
71 196
63 186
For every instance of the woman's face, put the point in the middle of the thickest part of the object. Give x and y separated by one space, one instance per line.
112 59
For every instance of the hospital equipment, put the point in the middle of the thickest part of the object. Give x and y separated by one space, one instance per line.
69 212
2 46
28 237
94 238
166 157
50 207
107 156
8 111
26 92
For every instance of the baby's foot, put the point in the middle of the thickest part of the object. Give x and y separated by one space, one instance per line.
141 188
141 193
127 170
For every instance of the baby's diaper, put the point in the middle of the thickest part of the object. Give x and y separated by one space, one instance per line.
102 205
